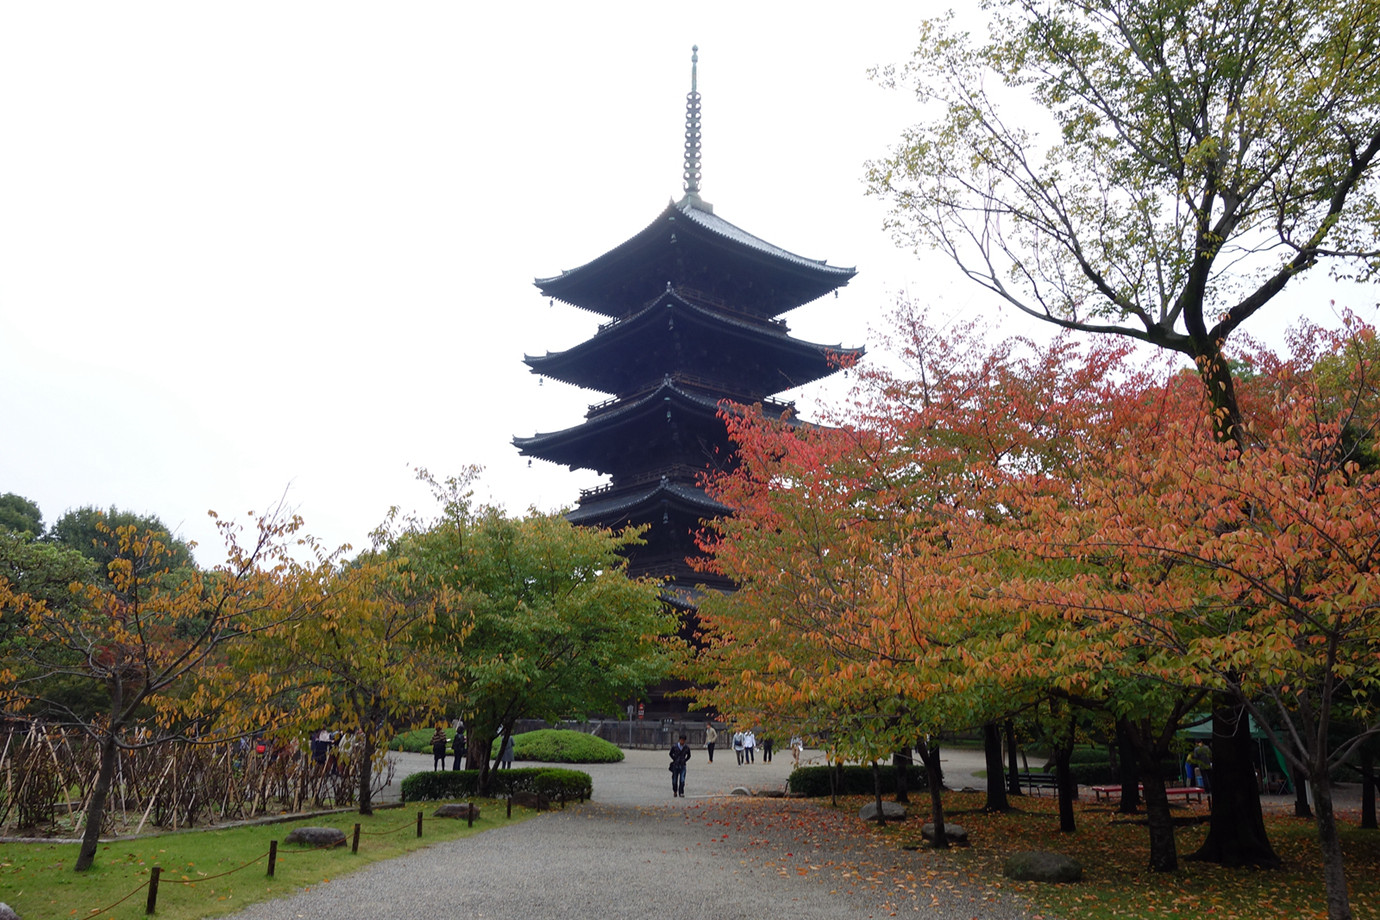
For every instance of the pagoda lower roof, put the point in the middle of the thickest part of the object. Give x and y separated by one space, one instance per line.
758 356
687 245
647 503
600 442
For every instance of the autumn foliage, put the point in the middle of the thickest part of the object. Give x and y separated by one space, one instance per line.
992 526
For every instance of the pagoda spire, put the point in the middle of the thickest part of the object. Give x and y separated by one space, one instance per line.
692 138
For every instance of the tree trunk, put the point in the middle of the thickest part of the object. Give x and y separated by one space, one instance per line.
1236 832
1063 779
996 789
1013 770
877 791
479 754
364 761
900 761
1128 770
930 758
1334 874
1368 790
95 809
1301 807
1164 852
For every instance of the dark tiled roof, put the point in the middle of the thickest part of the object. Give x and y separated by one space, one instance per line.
772 280
619 506
588 364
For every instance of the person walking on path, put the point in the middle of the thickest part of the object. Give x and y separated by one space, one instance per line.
767 745
680 756
710 736
749 745
738 746
438 749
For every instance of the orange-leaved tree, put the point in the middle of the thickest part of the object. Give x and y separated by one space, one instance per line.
1253 571
151 637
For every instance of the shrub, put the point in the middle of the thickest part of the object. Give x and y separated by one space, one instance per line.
555 784
563 785
856 780
550 745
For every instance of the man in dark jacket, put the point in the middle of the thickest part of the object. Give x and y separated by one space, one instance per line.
680 754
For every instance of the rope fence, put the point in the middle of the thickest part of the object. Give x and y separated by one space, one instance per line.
272 855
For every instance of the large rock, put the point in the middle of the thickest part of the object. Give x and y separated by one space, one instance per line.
1038 866
741 790
533 800
956 834
7 912
464 810
892 811
317 836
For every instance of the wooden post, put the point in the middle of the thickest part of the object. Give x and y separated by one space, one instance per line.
419 824
152 903
272 857
354 845
510 806
469 816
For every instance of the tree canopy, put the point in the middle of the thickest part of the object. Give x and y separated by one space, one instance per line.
1196 159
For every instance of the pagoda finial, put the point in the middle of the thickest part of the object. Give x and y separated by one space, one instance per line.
692 129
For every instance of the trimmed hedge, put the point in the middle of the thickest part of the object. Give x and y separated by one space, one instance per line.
856 780
555 745
555 784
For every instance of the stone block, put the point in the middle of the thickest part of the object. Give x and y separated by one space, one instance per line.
1039 866
457 810
892 811
956 834
317 836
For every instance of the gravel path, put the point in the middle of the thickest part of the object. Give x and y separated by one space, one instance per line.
635 851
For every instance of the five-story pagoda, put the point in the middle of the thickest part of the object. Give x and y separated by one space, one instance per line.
693 305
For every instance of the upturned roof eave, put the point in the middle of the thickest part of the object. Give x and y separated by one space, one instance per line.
551 363
592 427
678 495
713 228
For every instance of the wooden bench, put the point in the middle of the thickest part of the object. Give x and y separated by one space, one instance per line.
1035 781
1189 793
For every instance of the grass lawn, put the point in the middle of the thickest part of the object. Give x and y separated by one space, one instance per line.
1114 854
201 874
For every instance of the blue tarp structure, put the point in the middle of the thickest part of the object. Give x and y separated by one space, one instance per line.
1276 777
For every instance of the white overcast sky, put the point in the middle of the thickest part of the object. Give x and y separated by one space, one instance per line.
258 249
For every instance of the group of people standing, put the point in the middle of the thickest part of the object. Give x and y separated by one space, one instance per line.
746 745
458 747
438 747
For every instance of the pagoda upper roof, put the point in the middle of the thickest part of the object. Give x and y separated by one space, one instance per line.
753 355
687 245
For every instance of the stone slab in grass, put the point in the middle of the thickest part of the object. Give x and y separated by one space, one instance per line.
317 836
892 811
7 913
956 834
1039 866
457 810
